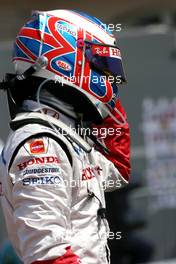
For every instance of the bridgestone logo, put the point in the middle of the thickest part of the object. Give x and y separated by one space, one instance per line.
42 171
41 160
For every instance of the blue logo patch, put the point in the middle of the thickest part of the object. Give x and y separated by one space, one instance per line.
45 180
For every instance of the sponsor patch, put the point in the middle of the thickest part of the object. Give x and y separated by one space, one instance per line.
64 65
40 171
41 160
66 28
45 180
50 112
37 146
106 51
89 173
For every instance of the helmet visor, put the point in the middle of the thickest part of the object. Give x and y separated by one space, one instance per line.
105 59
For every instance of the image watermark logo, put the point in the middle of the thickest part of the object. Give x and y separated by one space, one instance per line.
104 185
100 80
111 27
69 235
100 133
72 29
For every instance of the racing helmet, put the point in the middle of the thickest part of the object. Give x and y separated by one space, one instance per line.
78 56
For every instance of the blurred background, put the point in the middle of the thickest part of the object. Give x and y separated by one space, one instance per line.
145 212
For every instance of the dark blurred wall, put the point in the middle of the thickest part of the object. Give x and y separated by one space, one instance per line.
5 66
13 13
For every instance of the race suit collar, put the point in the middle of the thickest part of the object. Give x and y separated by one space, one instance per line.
33 106
57 126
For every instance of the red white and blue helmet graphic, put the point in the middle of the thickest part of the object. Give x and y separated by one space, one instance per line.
80 51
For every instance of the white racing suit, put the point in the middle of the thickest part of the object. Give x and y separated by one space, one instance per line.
53 196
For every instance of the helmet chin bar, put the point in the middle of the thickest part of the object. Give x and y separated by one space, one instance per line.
105 111
99 105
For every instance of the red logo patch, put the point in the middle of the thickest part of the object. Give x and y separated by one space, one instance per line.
64 65
89 173
37 146
41 160
101 51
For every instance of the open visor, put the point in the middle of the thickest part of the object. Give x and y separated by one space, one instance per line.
105 59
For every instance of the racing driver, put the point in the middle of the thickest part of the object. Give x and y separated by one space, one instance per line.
69 139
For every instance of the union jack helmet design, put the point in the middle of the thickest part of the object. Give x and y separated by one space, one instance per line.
80 51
